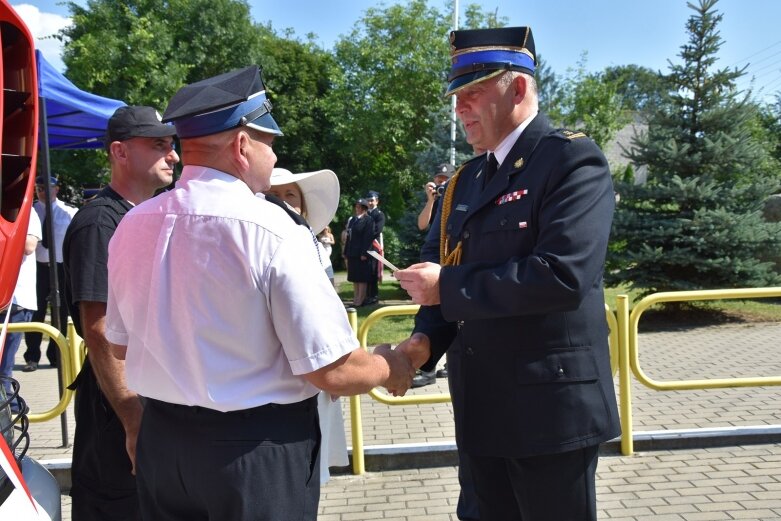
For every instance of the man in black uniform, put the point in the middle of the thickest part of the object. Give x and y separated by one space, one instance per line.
378 218
518 288
142 157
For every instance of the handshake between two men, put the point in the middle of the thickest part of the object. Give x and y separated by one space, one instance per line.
358 372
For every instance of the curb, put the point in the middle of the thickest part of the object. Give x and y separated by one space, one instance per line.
379 458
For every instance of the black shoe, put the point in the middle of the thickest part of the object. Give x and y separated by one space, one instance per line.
423 378
370 301
442 373
29 367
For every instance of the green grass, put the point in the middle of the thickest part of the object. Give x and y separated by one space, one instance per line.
705 311
395 329
388 330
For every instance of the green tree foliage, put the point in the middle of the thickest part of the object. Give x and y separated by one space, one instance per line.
585 101
475 17
696 223
393 65
689 234
770 127
704 126
551 90
639 87
142 51
299 76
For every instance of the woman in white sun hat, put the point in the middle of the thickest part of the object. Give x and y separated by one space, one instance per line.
315 196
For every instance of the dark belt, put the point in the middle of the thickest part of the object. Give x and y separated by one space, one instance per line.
309 403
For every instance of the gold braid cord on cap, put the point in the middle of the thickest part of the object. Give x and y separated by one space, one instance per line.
446 257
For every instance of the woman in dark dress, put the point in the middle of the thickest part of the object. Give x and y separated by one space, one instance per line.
360 233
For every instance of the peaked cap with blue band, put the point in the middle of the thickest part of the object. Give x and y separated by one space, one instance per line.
480 54
230 100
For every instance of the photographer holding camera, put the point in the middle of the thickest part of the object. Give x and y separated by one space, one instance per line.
434 190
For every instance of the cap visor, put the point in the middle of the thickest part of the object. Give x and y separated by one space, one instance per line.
161 131
469 79
266 123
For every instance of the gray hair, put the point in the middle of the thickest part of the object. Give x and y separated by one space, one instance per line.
531 84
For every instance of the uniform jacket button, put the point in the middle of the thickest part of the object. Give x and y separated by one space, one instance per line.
466 234
469 351
503 221
560 372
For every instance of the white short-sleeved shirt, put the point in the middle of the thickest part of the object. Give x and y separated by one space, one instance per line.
24 294
62 214
219 299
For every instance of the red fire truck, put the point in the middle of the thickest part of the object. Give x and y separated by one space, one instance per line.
26 489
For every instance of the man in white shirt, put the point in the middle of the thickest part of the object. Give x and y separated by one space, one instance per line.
62 214
228 325
24 302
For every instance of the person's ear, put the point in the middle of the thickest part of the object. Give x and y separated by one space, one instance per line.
118 151
521 86
240 148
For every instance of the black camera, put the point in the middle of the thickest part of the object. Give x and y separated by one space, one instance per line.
440 190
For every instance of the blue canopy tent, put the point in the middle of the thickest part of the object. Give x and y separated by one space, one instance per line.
75 119
69 118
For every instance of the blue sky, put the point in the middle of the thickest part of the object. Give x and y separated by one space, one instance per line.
611 32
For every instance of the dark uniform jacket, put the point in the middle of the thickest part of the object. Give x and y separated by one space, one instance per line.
526 302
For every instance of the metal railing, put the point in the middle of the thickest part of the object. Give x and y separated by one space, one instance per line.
629 356
67 363
359 466
624 360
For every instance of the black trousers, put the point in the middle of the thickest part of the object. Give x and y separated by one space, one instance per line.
467 508
552 487
103 486
261 464
42 290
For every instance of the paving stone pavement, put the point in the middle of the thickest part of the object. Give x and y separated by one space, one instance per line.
732 482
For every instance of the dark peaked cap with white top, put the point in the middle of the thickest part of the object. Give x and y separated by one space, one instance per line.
230 100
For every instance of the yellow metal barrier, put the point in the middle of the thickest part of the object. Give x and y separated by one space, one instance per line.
66 364
363 334
624 388
356 420
612 324
390 311
77 347
632 351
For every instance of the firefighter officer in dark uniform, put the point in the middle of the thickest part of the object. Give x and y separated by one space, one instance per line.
521 236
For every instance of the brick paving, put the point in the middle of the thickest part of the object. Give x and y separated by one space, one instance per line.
732 482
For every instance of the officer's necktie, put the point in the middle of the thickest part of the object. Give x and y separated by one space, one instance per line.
45 233
489 169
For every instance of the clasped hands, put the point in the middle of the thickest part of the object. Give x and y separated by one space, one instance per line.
408 356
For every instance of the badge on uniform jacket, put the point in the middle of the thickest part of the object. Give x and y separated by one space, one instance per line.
512 196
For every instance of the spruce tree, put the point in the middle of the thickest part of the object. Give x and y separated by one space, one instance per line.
696 223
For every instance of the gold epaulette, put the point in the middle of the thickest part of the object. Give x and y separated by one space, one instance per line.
569 134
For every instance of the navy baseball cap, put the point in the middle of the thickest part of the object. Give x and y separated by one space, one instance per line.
480 54
444 170
41 180
234 99
136 121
